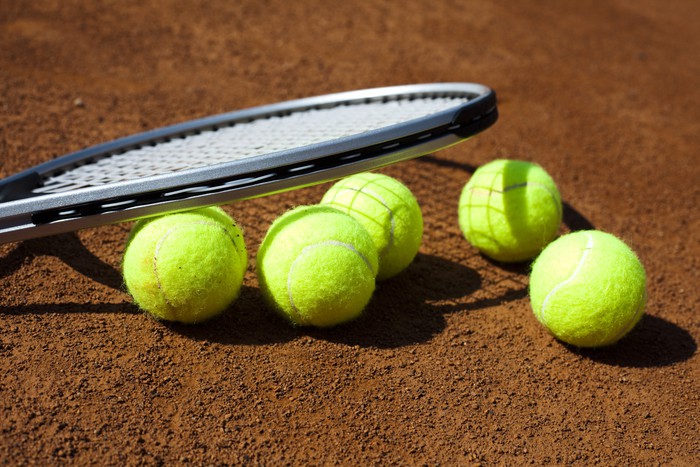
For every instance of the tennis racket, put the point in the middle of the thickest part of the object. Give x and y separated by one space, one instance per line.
240 155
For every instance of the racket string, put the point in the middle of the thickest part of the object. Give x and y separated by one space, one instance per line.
246 139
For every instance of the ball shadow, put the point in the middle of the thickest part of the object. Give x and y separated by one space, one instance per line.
245 322
400 312
654 342
574 219
405 310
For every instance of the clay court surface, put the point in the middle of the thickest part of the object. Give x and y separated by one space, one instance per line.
448 365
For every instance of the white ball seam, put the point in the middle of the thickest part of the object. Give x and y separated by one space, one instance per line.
586 251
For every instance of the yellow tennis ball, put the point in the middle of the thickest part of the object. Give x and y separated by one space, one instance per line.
510 210
588 288
390 213
317 266
185 267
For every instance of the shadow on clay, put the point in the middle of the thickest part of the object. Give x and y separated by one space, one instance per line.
45 308
654 342
387 322
245 322
69 249
426 291
409 308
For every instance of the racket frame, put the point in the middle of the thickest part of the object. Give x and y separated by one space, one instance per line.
24 214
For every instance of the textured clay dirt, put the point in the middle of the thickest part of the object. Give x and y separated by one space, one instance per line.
448 365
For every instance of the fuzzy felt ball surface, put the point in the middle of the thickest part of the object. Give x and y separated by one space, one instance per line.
588 288
186 267
317 266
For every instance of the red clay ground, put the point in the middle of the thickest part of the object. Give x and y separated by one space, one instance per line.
448 366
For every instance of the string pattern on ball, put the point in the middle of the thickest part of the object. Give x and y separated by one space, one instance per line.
382 201
489 191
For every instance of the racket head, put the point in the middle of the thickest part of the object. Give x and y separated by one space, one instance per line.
249 153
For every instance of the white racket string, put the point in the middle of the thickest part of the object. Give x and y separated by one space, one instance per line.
246 140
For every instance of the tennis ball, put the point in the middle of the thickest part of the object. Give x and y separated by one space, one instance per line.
185 267
510 210
389 212
317 266
588 288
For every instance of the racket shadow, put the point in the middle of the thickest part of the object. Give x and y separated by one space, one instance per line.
69 249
